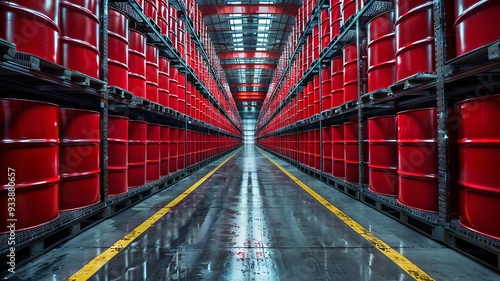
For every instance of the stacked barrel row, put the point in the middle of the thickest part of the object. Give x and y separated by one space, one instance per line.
51 31
201 146
53 157
66 145
401 156
394 50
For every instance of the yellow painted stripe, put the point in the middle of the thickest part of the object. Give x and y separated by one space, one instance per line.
405 264
98 262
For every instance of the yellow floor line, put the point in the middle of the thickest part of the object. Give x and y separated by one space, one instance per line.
405 264
98 262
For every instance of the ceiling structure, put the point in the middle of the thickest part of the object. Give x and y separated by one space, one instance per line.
249 37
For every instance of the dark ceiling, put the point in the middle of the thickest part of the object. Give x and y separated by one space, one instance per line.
249 36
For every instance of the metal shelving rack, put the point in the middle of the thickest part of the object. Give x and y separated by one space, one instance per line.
29 77
199 43
477 72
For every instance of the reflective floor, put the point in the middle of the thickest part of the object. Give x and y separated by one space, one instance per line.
249 221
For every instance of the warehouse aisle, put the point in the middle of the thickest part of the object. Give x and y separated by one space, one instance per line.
250 221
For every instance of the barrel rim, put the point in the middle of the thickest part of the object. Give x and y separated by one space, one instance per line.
54 25
383 117
118 63
87 45
137 31
412 11
118 117
68 4
418 109
381 38
118 36
382 14
119 11
78 110
472 8
29 101
481 98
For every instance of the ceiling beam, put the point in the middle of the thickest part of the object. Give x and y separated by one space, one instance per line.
249 93
249 55
249 66
259 85
247 29
249 9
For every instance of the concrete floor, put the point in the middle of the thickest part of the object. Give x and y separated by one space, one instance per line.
249 221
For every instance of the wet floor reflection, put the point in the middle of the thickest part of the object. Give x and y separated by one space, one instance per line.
250 222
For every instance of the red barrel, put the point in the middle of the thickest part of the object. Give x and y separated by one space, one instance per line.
349 8
29 157
172 24
163 16
309 148
325 29
302 147
351 152
151 9
326 92
181 38
181 93
327 150
479 151
335 18
315 35
153 152
163 81
80 50
174 87
191 150
173 150
309 48
181 149
414 46
137 141
164 150
32 26
79 158
117 49
381 49
301 105
383 155
316 93
351 91
338 158
152 61
337 82
418 158
473 26
137 63
316 150
310 99
118 128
